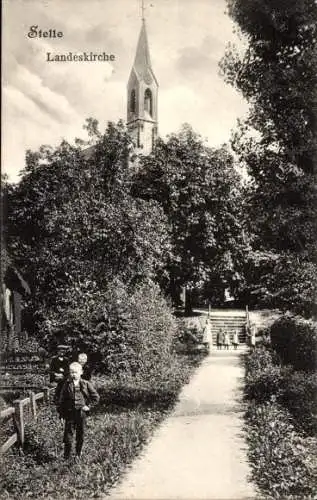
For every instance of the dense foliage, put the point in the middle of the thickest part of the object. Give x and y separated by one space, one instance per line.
199 191
122 330
267 379
295 341
281 425
5 259
277 144
75 230
283 461
72 217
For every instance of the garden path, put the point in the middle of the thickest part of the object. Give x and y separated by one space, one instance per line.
199 451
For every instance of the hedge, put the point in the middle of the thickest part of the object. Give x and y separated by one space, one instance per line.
294 339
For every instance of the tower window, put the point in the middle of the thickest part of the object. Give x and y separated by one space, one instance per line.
132 101
148 102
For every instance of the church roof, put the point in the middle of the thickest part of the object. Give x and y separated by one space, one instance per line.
142 61
142 57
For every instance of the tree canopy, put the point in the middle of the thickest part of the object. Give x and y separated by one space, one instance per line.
277 142
199 191
72 220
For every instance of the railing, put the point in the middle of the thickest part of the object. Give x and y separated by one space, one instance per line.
22 362
16 412
247 320
251 329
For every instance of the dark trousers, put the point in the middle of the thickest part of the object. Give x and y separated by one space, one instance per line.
75 423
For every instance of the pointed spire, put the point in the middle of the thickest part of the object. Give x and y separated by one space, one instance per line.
142 94
142 60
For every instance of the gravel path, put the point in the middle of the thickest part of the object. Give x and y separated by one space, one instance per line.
199 451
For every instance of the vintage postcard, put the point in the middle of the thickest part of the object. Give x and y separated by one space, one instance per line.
158 316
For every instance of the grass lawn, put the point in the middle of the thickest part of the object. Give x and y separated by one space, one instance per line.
122 423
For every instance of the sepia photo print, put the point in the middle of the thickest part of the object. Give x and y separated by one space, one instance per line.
158 249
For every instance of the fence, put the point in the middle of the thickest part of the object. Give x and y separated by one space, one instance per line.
17 413
19 362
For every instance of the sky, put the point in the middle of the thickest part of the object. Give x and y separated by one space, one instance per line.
45 102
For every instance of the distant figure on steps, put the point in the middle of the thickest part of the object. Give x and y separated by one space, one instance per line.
207 335
250 332
235 340
227 341
220 339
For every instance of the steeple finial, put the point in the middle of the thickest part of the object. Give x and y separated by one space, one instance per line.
142 10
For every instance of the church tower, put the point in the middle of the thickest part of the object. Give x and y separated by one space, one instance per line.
142 96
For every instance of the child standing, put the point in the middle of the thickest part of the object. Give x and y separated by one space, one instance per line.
235 340
220 339
227 341
87 371
73 401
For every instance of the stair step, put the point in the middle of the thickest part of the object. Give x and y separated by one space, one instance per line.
223 325
227 320
240 320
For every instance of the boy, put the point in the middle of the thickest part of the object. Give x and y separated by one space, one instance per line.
73 401
82 360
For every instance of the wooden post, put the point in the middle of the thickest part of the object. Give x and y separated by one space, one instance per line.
18 417
33 404
46 391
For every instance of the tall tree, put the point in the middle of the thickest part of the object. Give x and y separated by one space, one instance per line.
73 221
199 191
277 142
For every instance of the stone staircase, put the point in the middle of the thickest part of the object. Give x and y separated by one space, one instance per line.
229 321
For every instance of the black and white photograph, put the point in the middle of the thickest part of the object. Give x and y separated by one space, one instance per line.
158 250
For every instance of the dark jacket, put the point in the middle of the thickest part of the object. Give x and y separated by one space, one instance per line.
87 372
59 365
65 396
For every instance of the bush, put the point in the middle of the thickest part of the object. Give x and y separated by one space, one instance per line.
124 331
189 338
299 396
282 461
262 386
280 415
295 341
264 377
259 359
